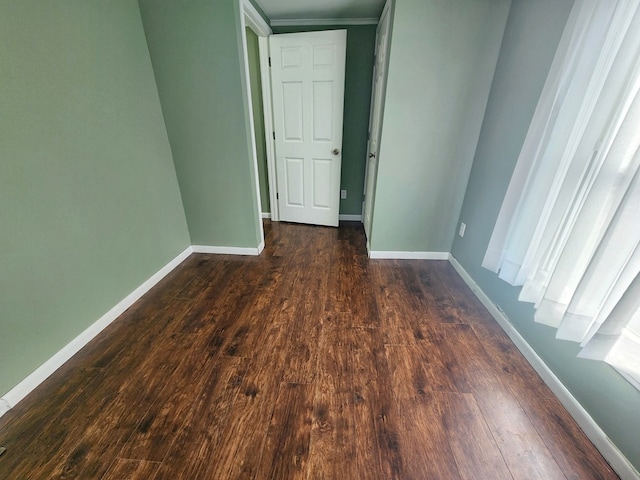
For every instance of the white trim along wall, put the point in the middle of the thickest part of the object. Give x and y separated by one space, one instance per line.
267 107
252 19
324 21
603 443
377 254
229 250
608 449
17 393
343 217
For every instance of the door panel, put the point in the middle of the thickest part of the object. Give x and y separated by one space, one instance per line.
294 186
377 95
322 112
308 88
292 99
322 182
291 57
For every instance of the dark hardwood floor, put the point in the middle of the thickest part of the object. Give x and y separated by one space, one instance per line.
308 362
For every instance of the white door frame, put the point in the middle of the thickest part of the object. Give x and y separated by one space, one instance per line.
386 11
251 18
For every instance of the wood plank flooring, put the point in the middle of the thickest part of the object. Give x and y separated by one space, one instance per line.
308 362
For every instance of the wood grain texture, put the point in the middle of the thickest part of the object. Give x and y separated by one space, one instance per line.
125 469
197 444
286 449
423 438
307 362
332 447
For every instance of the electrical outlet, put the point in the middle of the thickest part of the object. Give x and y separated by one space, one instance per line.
343 194
463 227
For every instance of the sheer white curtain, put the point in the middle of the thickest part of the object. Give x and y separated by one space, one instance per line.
568 231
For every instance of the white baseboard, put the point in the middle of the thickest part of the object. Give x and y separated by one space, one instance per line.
341 217
227 250
608 449
603 443
25 387
350 218
4 407
377 254
17 393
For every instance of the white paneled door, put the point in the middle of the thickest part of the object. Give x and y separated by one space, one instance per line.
307 73
377 94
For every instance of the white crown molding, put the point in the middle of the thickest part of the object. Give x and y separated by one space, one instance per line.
603 443
300 22
254 20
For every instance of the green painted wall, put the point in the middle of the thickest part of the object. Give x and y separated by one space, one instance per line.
530 41
253 56
195 48
441 64
357 99
90 201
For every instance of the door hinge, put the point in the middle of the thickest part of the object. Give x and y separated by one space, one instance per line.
277 196
274 135
269 61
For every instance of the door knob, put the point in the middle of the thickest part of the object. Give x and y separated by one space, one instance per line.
336 151
372 155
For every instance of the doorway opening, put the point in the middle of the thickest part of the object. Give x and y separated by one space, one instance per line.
361 46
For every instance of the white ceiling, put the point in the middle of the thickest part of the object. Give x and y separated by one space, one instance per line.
321 9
